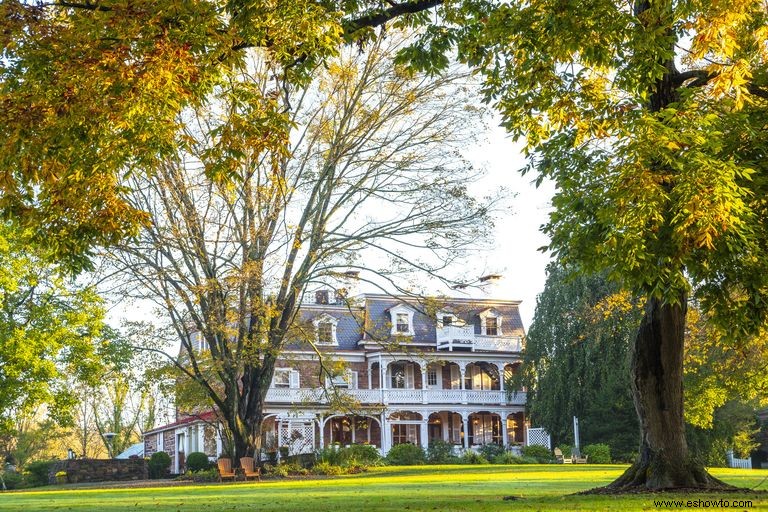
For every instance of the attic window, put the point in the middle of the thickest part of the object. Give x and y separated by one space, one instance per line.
402 320
490 322
403 326
325 332
325 329
491 326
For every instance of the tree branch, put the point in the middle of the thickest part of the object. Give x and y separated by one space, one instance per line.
379 18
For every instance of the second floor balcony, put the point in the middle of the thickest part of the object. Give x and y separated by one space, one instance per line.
463 337
310 396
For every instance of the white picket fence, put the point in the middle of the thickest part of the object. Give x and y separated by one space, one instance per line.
733 462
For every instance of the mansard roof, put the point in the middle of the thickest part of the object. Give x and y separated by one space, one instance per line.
369 318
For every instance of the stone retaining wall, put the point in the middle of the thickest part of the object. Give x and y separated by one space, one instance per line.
99 470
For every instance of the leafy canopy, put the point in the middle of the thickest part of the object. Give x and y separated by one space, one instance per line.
50 332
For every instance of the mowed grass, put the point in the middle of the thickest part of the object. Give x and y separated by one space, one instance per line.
440 488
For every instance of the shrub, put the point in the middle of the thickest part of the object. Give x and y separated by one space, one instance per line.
285 469
508 458
198 461
13 480
355 455
540 453
329 455
362 454
441 452
567 450
159 465
405 455
38 472
598 453
472 457
206 475
491 451
324 468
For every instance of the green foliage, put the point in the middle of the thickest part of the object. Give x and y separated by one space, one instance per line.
325 468
441 452
490 451
576 361
540 453
472 457
405 455
198 461
734 427
353 455
50 334
597 453
211 474
13 480
159 465
37 472
566 449
284 469
506 458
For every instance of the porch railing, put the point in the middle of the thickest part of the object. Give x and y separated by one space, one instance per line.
400 396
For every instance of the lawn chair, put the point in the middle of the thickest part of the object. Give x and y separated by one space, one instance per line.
560 458
249 469
580 460
225 469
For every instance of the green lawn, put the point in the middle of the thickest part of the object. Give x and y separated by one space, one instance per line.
440 488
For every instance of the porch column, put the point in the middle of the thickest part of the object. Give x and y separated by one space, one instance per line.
385 434
321 421
370 375
424 433
504 430
354 427
465 420
219 443
423 366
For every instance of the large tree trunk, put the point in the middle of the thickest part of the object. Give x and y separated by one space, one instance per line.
657 389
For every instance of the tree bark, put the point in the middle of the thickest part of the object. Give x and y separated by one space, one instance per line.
657 390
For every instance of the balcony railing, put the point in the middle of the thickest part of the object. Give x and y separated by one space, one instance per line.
399 396
453 337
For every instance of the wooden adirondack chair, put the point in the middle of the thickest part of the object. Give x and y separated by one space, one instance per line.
225 469
249 469
580 460
560 458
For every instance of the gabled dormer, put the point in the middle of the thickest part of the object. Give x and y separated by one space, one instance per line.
490 322
401 318
325 329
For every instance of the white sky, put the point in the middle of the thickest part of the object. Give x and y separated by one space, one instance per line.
515 252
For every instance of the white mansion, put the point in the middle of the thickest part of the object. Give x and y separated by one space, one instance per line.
415 371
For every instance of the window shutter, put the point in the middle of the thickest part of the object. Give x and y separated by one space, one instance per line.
409 376
352 380
295 379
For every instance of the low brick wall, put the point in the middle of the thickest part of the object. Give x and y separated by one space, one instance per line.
99 470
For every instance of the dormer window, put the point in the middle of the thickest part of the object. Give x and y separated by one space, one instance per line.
402 320
325 332
490 322
403 323
325 329
447 319
491 326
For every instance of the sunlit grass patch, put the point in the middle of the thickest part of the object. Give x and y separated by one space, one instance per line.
442 488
